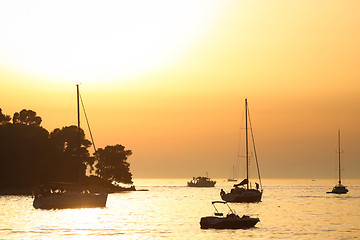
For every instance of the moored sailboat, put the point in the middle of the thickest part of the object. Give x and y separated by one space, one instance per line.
243 191
339 188
233 179
69 195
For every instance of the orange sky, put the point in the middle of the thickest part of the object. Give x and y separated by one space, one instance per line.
168 79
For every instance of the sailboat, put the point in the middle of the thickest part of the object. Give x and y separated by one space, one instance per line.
233 179
243 192
68 195
339 188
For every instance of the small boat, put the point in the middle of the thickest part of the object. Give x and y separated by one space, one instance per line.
230 221
201 182
243 191
74 195
339 188
233 179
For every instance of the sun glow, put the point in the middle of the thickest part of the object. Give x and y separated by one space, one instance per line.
73 41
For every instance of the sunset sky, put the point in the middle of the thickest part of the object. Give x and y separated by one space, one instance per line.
168 79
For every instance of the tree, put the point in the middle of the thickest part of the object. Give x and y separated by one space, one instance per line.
27 117
30 155
112 164
66 141
4 118
25 156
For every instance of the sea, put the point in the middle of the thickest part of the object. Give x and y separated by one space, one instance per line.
168 209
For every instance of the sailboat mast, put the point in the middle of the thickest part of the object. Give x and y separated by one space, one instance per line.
339 157
78 129
247 150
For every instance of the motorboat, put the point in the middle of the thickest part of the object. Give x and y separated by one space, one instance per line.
230 221
201 182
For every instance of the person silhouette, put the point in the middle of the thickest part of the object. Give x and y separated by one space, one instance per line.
222 192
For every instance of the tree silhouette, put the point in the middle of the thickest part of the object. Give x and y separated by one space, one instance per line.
27 117
25 155
4 118
30 155
112 164
66 141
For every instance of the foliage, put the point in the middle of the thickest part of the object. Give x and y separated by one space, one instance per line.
24 155
30 155
71 159
66 141
27 117
112 164
4 118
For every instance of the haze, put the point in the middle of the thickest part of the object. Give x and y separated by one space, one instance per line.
168 79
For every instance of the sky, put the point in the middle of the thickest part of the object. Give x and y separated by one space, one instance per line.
168 80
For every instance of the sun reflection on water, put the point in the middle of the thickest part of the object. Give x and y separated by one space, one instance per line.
289 210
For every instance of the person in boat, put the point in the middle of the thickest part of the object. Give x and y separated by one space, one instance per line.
222 192
257 186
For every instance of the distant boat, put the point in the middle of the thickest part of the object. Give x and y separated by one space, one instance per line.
201 182
230 221
243 192
339 188
65 195
233 179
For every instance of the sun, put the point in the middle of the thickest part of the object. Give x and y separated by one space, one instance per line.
99 40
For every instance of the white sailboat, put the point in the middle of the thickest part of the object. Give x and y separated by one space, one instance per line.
339 188
243 192
233 178
68 195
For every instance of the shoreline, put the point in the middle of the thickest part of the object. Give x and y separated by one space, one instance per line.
30 192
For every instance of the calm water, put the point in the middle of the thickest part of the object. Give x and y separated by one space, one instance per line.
291 209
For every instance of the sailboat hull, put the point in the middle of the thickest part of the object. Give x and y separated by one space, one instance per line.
70 200
339 190
246 196
232 180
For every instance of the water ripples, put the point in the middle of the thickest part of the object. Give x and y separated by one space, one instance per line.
291 209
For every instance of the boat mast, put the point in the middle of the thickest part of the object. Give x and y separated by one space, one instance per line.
253 143
78 129
339 158
247 150
234 172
